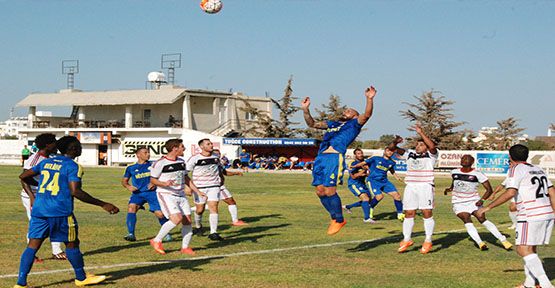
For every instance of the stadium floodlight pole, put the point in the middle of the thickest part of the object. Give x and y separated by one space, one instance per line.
70 68
171 62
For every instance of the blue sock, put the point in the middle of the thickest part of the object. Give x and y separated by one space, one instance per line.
366 209
75 257
162 220
335 205
356 204
27 259
131 221
398 205
325 200
374 203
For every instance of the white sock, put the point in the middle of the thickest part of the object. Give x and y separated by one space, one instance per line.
408 223
198 220
473 232
429 224
530 279
213 223
164 230
56 248
187 234
512 215
535 267
493 230
233 212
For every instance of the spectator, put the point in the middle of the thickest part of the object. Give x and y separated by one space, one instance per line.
245 158
25 153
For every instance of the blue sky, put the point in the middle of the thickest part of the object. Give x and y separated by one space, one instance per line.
496 59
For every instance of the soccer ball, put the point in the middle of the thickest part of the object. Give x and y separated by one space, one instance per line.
211 6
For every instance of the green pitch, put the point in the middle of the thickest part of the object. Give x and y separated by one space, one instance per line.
285 218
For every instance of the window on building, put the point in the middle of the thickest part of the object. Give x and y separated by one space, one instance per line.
250 116
146 114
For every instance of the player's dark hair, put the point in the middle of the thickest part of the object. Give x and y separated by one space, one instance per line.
172 143
139 148
519 152
357 149
43 140
202 141
66 143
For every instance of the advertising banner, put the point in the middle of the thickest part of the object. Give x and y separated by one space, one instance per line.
493 163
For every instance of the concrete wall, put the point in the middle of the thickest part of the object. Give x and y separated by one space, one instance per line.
10 151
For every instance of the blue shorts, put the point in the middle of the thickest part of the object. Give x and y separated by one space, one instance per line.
146 197
328 170
377 187
59 229
358 188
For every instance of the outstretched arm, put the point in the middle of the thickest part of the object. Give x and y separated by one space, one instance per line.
489 191
509 193
431 145
393 145
370 93
305 104
77 192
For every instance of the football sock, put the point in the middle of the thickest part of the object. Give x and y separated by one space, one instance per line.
366 209
473 232
356 204
213 223
408 223
335 204
198 219
233 212
187 234
163 220
56 247
325 200
164 230
398 206
530 279
75 257
131 221
429 224
27 259
535 267
493 230
512 215
374 202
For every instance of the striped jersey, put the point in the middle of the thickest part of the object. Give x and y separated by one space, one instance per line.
532 200
420 167
170 170
205 170
465 185
31 162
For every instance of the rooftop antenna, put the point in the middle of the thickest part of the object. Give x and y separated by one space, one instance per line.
170 62
70 68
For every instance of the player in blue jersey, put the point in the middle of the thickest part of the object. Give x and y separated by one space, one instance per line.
52 214
357 185
142 192
245 158
330 162
378 183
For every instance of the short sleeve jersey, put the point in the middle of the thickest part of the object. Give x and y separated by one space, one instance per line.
53 198
170 170
532 200
379 166
358 181
245 156
420 167
205 170
465 185
139 175
33 161
340 135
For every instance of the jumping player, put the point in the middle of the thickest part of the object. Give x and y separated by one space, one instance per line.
46 143
330 162
52 214
357 186
419 192
466 201
169 175
142 192
535 201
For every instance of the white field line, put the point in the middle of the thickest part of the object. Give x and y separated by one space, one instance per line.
269 251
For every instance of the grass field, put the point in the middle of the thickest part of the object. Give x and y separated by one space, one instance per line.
283 212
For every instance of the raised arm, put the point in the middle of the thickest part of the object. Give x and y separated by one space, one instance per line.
393 146
305 104
431 145
370 93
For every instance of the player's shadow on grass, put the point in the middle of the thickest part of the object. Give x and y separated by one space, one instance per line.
115 248
549 265
491 240
375 243
386 216
186 264
250 220
448 240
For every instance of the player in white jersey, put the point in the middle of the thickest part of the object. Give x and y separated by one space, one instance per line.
46 143
512 204
205 172
169 174
466 201
419 192
226 196
535 201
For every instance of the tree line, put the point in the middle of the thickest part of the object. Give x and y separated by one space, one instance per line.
433 110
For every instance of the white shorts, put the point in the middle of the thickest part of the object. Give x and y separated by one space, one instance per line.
465 207
212 194
27 204
418 196
224 193
172 204
533 233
